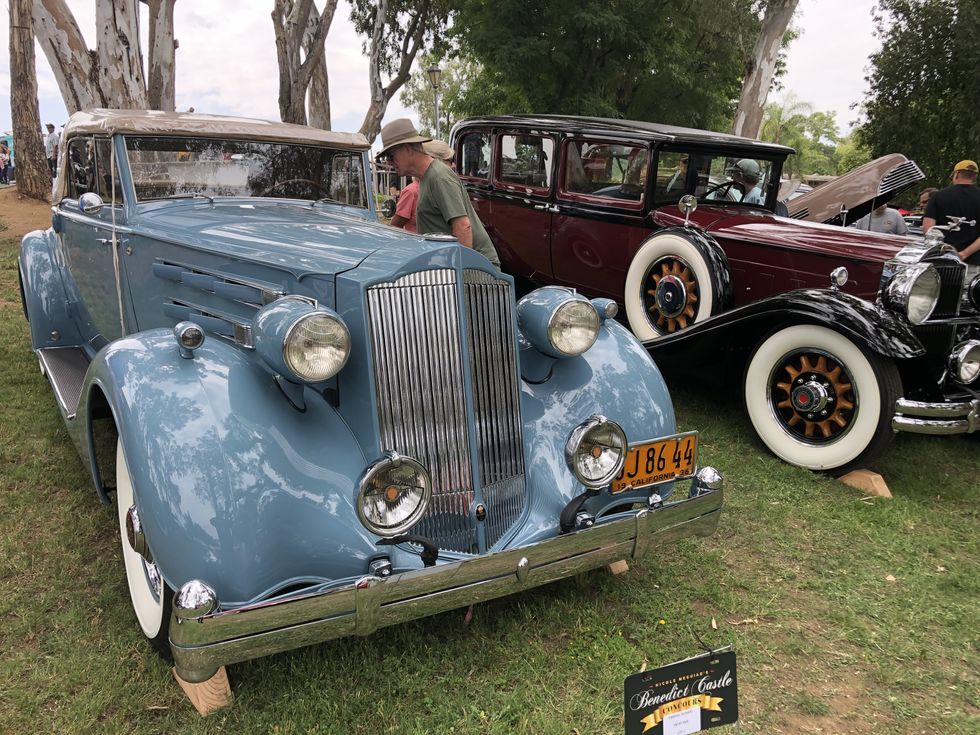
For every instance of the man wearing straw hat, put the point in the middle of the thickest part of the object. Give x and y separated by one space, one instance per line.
443 205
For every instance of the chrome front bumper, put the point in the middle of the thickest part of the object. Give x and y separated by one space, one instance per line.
920 417
202 644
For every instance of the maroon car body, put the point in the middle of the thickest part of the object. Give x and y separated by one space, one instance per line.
884 330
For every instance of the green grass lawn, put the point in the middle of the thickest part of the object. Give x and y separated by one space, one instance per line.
848 614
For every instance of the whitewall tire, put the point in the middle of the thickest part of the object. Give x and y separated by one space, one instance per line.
818 400
668 287
149 593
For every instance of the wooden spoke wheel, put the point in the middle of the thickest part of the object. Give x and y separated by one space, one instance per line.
672 294
668 286
814 396
819 399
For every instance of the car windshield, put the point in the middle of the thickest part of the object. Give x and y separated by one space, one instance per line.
167 167
714 177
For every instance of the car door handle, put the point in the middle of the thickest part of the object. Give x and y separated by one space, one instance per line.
104 240
547 208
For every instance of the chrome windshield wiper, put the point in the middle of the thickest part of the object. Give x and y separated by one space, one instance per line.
324 199
191 195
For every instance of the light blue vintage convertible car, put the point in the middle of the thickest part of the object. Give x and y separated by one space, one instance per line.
322 424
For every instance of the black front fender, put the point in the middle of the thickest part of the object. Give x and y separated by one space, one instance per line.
868 324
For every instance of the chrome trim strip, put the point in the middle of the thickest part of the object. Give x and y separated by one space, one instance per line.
201 646
242 330
91 220
270 292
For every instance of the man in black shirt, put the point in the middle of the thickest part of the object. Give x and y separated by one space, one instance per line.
962 199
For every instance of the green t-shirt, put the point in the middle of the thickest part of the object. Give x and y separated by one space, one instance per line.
442 199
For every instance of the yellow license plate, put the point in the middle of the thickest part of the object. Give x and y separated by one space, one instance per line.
663 460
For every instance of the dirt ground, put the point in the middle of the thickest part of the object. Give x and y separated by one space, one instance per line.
21 214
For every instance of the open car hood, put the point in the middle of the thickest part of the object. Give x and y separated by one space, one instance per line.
859 191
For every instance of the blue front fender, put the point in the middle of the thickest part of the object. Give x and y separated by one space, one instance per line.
616 378
234 486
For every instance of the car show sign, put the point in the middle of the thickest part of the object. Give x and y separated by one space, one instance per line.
683 697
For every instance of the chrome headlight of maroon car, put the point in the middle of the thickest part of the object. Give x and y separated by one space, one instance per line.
596 451
964 363
973 292
558 322
914 291
301 341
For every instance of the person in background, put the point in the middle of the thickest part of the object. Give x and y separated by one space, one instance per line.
924 197
882 219
746 174
961 199
405 202
443 205
4 163
408 201
51 148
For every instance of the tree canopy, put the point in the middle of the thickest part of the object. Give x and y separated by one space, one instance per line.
671 61
924 84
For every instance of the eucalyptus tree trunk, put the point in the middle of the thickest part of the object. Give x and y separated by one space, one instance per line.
112 74
120 63
761 67
73 64
381 94
160 87
318 102
291 20
33 173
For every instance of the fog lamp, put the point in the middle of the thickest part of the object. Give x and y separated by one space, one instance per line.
392 494
596 450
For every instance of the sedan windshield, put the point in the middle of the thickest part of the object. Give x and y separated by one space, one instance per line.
715 177
168 167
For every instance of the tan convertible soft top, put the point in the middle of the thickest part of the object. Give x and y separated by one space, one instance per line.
193 124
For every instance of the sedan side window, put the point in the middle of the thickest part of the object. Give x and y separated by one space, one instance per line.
81 167
611 171
103 172
525 160
476 156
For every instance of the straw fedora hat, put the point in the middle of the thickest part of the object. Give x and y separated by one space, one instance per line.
399 132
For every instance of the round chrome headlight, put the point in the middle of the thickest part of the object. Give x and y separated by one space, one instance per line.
392 494
915 291
316 346
300 341
596 450
964 363
573 327
973 292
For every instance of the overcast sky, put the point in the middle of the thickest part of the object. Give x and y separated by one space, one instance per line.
226 62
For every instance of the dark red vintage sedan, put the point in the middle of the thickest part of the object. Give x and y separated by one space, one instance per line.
845 336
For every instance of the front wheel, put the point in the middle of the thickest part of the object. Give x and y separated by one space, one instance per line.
668 287
150 595
818 400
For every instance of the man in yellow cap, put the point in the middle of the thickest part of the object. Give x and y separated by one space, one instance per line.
443 205
962 199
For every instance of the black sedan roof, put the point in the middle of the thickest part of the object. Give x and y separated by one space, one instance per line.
571 124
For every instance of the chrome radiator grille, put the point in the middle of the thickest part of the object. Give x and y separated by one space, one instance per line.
951 276
422 383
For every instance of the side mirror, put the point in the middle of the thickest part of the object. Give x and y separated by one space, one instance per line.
90 203
687 204
388 208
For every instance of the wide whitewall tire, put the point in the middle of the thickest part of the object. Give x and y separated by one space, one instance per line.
149 593
867 381
638 281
